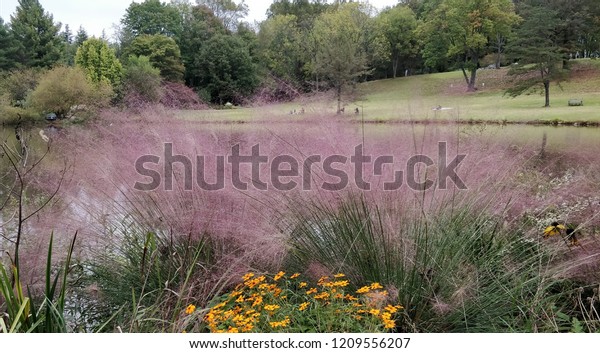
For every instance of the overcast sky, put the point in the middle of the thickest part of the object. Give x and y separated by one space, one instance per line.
97 15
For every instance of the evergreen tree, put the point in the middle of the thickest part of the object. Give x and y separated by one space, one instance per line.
536 49
8 47
81 36
67 35
39 42
99 62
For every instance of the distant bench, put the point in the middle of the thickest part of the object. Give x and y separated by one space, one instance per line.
575 102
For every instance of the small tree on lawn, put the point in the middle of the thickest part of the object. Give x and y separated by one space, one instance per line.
539 57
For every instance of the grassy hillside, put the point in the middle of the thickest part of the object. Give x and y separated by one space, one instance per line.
414 98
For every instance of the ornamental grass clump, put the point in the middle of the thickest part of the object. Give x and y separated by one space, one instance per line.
288 304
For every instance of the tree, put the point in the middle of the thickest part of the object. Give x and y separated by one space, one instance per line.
305 11
340 56
141 81
228 73
227 11
39 42
81 36
99 62
163 52
63 88
199 28
280 47
8 47
460 31
535 47
152 17
398 27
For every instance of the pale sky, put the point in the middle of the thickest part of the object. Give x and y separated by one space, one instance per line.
97 15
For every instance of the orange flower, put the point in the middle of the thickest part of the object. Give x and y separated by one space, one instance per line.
311 291
376 285
279 275
363 290
303 284
303 306
295 275
247 276
190 309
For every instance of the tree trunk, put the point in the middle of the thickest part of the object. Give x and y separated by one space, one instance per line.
395 66
339 98
499 43
473 80
465 75
547 92
470 80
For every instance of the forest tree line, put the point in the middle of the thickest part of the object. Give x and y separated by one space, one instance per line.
302 46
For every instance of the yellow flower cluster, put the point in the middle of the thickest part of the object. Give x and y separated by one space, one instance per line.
262 305
283 323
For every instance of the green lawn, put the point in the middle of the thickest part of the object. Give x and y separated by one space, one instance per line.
415 97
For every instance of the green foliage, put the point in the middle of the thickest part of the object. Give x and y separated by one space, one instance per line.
8 47
459 31
23 313
163 53
539 57
199 28
16 86
286 304
81 36
341 57
397 26
142 80
145 277
99 62
64 90
454 268
152 17
227 11
37 36
228 72
280 46
305 12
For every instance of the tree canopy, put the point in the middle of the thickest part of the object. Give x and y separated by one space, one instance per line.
99 62
38 43
536 49
163 52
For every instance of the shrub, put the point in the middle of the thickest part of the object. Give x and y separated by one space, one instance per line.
16 86
64 90
142 82
99 62
454 267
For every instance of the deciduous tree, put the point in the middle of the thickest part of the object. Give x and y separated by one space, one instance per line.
153 17
340 57
460 31
163 52
398 26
